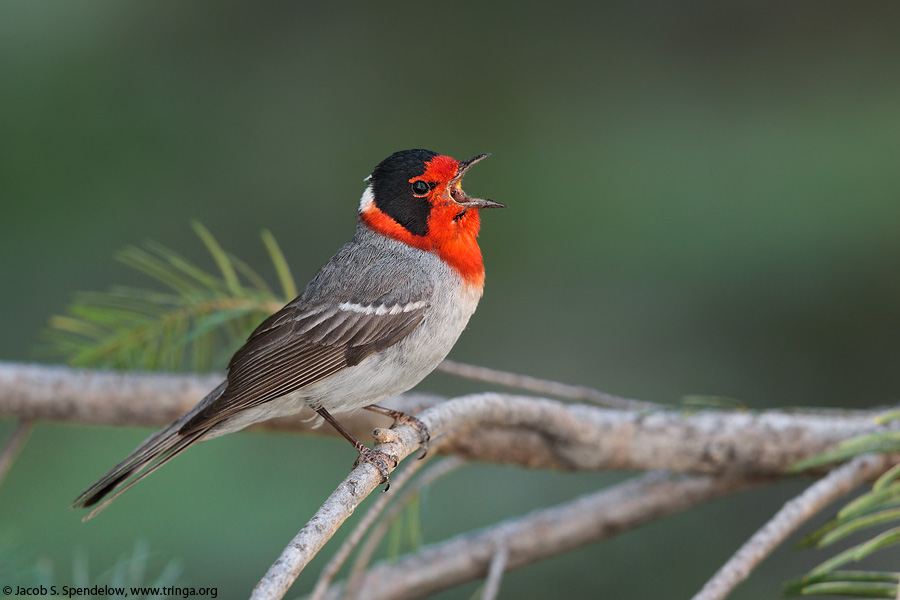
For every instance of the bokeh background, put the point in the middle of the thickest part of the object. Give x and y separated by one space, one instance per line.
703 200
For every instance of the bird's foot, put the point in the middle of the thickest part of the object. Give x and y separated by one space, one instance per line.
405 419
380 460
418 425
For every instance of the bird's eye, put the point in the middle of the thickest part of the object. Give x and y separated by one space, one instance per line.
420 187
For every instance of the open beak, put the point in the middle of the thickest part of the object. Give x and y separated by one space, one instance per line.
463 199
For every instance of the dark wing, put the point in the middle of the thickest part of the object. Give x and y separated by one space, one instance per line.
301 345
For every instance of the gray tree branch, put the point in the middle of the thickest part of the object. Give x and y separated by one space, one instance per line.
576 436
367 550
542 534
729 449
575 433
495 574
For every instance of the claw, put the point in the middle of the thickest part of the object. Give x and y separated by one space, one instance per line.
424 434
381 461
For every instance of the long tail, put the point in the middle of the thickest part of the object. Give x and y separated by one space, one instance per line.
151 454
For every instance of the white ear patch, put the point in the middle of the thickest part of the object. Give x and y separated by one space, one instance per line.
368 198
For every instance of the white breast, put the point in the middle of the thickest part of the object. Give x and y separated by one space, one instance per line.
405 364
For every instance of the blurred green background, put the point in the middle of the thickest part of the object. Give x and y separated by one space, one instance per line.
703 200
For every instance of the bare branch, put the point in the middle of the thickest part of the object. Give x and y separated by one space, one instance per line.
552 419
366 552
397 483
361 482
793 514
13 445
495 574
534 432
55 393
542 386
542 534
583 437
99 397
580 437
337 561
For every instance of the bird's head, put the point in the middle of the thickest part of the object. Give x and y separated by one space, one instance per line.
418 189
416 197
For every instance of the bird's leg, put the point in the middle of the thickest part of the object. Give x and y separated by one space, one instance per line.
405 419
373 457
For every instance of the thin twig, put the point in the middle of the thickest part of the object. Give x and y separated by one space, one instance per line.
495 574
361 482
13 445
543 534
367 550
794 513
543 386
337 561
356 536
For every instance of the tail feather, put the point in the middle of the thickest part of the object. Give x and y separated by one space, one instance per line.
122 477
151 454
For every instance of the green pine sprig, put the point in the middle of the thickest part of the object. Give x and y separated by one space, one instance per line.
877 510
195 321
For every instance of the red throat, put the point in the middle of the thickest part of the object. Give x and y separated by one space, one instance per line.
451 238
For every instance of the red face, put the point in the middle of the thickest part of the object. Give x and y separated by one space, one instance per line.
408 186
418 199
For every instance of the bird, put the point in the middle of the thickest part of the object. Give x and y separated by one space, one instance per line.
381 314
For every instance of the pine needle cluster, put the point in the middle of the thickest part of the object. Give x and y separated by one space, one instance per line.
195 321
877 510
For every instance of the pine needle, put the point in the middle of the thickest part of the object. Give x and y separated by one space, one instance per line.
220 256
281 266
